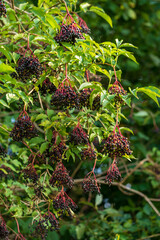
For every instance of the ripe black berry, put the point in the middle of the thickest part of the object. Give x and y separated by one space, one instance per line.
117 89
78 135
47 87
83 25
30 173
23 128
2 9
46 223
37 160
90 185
112 173
28 67
117 145
84 100
61 177
69 33
64 97
63 204
3 231
88 154
2 151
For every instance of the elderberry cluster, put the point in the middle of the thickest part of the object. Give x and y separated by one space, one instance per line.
118 90
23 128
112 174
30 173
83 25
61 177
88 154
46 223
38 159
78 136
69 33
2 151
90 185
64 97
2 9
47 87
3 231
55 152
64 204
28 67
84 97
117 145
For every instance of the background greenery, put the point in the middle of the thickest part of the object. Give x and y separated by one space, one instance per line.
117 212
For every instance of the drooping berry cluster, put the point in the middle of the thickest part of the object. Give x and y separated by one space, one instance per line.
117 145
90 185
84 99
2 9
27 68
83 25
3 230
46 223
23 128
64 204
56 151
64 97
61 177
88 154
117 89
78 135
47 87
2 151
30 173
37 160
112 173
69 33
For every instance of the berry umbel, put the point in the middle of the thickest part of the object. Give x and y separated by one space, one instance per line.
117 145
78 135
60 177
30 173
2 9
45 224
3 230
23 128
63 204
112 173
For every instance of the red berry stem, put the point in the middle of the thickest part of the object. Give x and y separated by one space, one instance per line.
87 75
29 148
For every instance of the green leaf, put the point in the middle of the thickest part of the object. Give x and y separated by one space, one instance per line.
99 199
6 53
84 6
128 55
11 97
100 12
80 230
4 68
41 116
43 147
4 103
126 129
50 19
101 70
36 140
127 45
152 92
